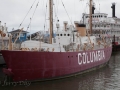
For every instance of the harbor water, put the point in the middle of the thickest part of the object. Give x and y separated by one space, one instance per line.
106 78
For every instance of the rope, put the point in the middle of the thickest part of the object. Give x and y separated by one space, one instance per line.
55 10
66 12
27 14
32 15
57 2
84 11
45 15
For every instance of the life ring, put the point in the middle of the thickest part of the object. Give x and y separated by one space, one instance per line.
4 34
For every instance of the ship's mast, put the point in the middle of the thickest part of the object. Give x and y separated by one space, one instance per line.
51 19
90 12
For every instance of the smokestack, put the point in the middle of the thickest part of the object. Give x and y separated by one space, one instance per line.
93 8
113 9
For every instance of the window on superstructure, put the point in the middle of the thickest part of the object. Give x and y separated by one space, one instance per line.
64 34
94 32
92 25
104 32
113 25
95 26
68 34
60 34
99 32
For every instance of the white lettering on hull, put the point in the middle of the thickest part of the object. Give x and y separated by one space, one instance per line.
90 57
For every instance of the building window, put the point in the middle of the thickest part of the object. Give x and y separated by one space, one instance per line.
21 35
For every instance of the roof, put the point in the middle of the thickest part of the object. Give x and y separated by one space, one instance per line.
18 30
97 14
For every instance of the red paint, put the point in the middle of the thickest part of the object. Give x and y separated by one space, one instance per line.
33 65
8 71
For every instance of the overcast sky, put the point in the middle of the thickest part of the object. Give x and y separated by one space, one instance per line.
13 12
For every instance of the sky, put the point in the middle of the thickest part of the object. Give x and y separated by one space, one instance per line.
13 12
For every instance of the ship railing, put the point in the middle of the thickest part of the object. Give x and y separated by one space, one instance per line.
38 49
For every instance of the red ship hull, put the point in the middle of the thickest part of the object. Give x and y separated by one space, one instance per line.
33 65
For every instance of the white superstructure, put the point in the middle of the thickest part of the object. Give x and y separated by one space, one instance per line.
102 24
4 36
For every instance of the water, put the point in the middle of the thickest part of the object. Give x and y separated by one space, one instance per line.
107 78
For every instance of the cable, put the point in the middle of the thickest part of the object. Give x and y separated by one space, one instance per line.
55 10
27 14
66 12
32 15
45 15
